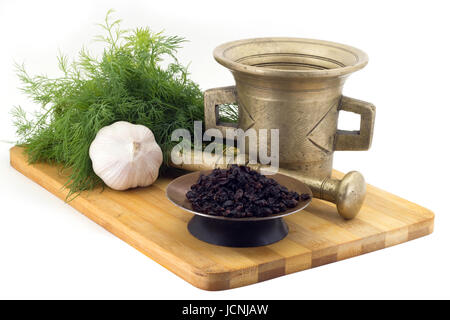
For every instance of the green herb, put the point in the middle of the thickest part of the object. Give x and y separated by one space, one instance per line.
126 83
228 112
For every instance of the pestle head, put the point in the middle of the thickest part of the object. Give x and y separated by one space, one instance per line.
350 194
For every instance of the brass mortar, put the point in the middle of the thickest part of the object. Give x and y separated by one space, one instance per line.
295 85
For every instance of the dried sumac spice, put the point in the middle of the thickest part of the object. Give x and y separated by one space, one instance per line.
241 192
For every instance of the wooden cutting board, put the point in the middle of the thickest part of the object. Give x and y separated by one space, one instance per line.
146 220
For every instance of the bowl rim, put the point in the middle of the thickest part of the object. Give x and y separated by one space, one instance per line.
303 203
220 56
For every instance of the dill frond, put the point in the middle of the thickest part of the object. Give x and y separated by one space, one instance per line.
125 83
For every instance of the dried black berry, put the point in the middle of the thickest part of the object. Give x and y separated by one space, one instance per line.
305 196
241 192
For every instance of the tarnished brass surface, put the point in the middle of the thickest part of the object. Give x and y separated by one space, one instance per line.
294 85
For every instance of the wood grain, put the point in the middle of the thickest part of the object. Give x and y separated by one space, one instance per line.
146 220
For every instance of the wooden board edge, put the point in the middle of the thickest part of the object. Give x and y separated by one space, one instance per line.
201 279
220 281
204 279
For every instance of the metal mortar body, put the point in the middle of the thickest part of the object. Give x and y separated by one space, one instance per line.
295 85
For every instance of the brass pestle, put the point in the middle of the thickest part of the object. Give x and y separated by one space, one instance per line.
347 193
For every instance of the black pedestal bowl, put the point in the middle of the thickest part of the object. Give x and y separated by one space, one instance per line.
230 231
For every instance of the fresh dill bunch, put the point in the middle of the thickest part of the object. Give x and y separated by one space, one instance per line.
126 83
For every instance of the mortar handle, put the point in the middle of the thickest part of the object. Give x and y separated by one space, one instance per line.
362 138
213 99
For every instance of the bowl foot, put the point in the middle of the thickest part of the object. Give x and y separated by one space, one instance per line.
238 233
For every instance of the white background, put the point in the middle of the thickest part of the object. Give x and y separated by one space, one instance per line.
49 250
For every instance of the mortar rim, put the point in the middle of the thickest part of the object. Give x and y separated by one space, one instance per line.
219 54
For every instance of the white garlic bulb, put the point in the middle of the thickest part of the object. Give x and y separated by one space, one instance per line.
125 155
